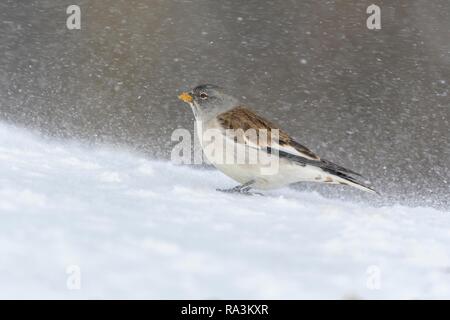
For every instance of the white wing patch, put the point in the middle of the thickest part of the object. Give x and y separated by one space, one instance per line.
262 143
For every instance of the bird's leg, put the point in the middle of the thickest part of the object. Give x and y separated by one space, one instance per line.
243 188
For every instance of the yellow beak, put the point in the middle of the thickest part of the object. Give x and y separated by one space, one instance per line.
186 97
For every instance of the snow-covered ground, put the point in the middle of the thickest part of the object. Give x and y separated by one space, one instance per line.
130 227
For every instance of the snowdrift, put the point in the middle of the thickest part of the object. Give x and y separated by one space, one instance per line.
131 227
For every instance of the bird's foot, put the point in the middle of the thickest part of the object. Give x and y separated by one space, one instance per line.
243 192
243 189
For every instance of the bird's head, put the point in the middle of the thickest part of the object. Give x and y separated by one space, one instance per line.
207 101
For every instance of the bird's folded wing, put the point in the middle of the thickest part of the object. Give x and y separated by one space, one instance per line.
242 118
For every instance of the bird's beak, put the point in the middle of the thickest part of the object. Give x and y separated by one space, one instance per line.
186 97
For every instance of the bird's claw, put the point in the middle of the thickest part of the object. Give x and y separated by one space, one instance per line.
243 191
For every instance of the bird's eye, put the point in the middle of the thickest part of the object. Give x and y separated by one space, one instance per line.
203 95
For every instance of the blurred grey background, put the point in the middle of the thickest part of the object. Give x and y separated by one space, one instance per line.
374 101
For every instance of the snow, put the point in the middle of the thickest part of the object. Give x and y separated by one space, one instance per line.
125 226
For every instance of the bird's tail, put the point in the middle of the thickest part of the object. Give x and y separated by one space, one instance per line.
345 176
336 173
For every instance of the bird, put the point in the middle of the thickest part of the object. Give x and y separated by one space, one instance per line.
230 131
